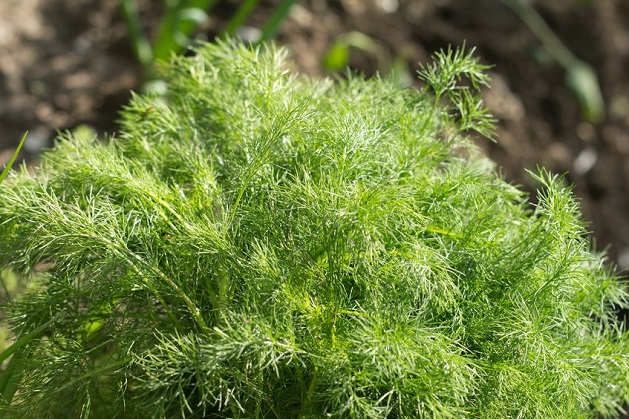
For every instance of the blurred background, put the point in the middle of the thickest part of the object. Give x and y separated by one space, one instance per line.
560 85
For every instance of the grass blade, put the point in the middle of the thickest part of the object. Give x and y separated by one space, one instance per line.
272 25
141 45
172 27
8 384
13 157
239 17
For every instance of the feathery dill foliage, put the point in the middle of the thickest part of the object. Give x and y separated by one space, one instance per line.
259 244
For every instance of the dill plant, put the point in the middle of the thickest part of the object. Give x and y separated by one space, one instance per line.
260 244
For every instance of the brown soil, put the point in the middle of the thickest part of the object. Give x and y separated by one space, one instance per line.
69 62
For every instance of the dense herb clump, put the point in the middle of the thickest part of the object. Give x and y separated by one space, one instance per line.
258 244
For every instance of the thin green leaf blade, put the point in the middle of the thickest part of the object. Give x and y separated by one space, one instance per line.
13 157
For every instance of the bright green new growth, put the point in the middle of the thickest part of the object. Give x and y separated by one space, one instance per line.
257 244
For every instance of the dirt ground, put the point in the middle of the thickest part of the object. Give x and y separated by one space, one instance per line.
69 62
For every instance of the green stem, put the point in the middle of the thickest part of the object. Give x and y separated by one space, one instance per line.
94 372
194 310
5 288
307 406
